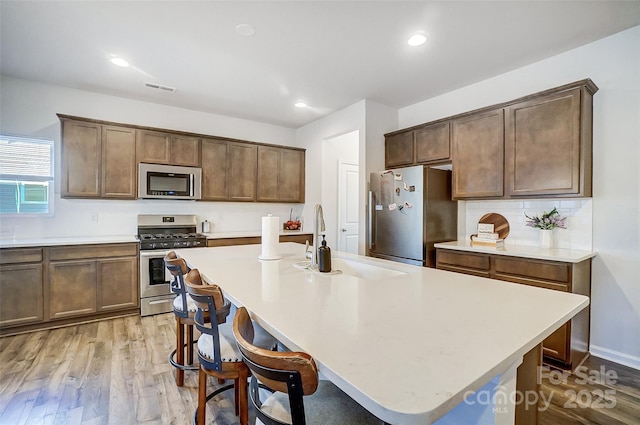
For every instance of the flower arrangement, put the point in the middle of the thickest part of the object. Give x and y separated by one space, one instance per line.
547 221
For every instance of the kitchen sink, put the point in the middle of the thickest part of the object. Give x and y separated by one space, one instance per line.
353 268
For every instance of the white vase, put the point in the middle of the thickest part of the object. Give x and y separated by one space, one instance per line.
546 238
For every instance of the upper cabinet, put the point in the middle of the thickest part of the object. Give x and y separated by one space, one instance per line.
166 148
281 173
548 144
98 161
422 145
536 146
478 155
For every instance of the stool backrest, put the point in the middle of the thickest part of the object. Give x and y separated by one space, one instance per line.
294 373
178 268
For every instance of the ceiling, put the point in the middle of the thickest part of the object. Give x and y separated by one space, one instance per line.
326 54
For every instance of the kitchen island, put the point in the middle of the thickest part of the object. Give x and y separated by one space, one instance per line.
408 343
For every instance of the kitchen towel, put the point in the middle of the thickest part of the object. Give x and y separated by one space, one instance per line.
270 238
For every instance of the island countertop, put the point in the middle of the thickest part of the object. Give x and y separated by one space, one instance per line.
407 345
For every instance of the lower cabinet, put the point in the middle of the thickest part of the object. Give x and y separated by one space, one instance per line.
301 238
568 345
21 287
42 287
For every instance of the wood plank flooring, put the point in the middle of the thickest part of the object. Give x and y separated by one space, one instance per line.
116 372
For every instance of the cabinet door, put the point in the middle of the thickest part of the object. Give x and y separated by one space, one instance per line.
81 157
478 155
557 345
291 175
243 160
21 294
153 147
543 152
215 170
185 150
399 150
117 284
119 175
432 143
467 263
72 288
268 170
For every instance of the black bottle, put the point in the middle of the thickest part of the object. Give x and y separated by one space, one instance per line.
324 257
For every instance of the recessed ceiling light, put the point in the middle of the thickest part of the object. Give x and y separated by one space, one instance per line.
417 40
300 105
119 62
246 30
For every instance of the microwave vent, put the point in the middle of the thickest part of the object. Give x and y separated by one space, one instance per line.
160 87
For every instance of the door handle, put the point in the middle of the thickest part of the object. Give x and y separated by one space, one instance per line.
343 230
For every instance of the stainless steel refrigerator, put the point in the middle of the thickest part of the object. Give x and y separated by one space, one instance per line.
410 209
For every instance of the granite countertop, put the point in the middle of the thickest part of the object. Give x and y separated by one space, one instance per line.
376 303
554 254
78 240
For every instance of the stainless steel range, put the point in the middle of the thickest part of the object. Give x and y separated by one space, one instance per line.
158 234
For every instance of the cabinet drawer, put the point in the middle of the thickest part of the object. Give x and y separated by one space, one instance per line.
20 255
76 252
472 261
552 272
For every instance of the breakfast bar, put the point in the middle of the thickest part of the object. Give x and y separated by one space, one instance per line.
410 344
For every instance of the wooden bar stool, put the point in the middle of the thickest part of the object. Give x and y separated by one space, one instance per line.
292 378
217 350
184 309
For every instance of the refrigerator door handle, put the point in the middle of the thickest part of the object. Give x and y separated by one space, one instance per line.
370 235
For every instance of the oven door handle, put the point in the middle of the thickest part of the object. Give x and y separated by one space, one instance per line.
153 254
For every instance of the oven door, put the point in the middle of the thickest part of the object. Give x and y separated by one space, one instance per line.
155 279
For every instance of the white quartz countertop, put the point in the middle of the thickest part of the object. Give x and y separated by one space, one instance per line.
249 234
83 240
554 254
407 342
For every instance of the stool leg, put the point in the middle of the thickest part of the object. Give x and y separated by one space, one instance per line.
179 352
243 397
202 396
236 394
189 344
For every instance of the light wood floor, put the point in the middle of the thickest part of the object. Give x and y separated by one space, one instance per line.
116 372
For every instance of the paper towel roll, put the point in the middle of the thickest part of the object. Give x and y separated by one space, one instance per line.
270 238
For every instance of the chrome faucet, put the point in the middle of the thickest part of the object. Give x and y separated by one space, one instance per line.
318 218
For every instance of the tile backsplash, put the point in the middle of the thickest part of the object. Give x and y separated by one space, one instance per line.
577 235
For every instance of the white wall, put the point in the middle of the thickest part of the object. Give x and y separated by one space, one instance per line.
29 109
613 63
335 149
371 120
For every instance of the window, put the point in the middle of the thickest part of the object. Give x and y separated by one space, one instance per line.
26 176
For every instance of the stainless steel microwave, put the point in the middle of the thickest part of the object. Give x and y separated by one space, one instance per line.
156 181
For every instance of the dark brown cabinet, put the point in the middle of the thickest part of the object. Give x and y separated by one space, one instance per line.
536 146
157 147
426 144
478 155
568 345
98 161
433 143
21 286
215 170
280 174
87 279
119 173
81 162
548 144
243 167
399 150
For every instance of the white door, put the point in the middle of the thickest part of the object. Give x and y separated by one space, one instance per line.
348 198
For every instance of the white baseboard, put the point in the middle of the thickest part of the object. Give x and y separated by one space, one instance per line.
615 356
